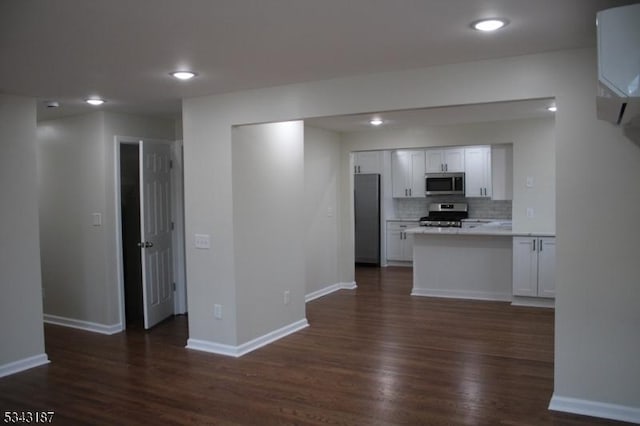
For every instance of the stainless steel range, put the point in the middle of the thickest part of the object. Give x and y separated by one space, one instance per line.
445 215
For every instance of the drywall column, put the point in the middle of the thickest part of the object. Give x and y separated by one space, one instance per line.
21 332
322 183
269 228
597 315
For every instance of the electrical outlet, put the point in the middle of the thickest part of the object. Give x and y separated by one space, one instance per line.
217 311
287 297
530 213
202 241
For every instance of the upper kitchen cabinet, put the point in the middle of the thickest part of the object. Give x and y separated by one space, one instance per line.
444 160
477 168
407 173
367 162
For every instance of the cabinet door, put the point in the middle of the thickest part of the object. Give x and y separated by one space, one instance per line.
395 241
547 267
416 175
525 266
407 242
454 160
368 162
434 161
478 172
400 167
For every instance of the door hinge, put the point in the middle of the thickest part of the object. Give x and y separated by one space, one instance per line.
173 226
171 164
173 286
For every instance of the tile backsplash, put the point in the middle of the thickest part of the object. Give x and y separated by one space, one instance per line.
479 208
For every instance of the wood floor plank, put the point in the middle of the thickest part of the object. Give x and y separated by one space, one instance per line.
373 356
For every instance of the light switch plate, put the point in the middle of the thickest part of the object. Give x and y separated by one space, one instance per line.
202 241
529 182
96 219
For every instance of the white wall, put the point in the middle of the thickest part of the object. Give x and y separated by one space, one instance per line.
321 185
269 226
533 155
21 329
76 178
597 270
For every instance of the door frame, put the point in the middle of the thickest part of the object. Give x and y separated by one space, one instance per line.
177 213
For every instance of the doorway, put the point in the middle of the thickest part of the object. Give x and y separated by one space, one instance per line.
130 216
150 231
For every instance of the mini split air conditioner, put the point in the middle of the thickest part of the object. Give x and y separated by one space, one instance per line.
618 99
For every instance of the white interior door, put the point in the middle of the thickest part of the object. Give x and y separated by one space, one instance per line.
155 221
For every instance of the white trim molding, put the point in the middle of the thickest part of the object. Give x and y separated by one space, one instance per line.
533 302
83 325
329 289
245 348
462 294
595 409
23 364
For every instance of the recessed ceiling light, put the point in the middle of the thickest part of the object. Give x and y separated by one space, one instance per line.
375 121
95 101
553 108
489 24
52 104
183 75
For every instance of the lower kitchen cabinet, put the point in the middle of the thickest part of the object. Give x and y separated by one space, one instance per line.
399 243
534 266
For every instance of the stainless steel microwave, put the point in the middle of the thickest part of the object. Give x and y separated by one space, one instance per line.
444 184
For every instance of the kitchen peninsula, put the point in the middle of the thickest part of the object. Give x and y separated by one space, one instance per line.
478 262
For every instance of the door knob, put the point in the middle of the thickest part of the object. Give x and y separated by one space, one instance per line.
148 244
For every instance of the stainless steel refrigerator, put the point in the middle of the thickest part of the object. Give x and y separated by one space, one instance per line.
367 217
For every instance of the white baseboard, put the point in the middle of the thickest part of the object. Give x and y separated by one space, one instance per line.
329 289
23 364
462 294
83 325
595 409
245 348
408 264
533 301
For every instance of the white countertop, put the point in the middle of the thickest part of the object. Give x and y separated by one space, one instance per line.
495 228
404 219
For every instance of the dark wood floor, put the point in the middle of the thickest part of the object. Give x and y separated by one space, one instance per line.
374 356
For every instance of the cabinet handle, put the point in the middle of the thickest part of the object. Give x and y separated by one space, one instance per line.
540 245
442 167
409 192
534 245
446 167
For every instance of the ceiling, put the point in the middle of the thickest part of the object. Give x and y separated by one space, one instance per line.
123 50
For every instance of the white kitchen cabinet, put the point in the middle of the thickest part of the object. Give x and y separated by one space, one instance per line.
444 160
477 169
407 173
534 266
367 162
399 243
